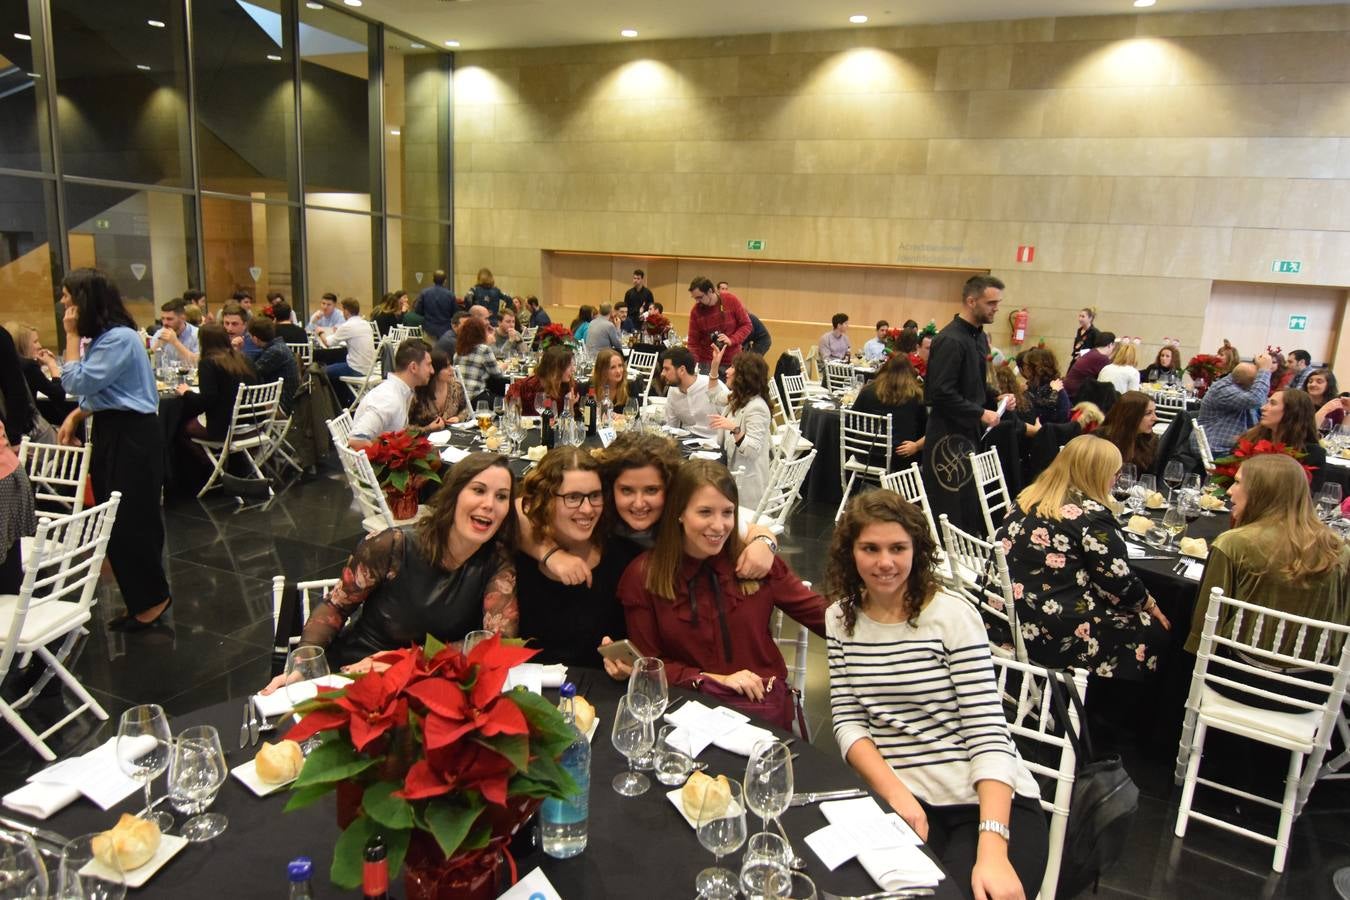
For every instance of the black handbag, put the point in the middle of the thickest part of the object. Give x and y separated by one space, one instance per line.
1104 801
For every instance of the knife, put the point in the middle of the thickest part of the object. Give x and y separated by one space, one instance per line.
50 843
243 726
817 796
253 722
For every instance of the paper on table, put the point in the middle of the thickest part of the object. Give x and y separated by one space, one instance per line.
705 454
278 703
452 455
885 845
700 725
464 426
1195 568
534 677
96 774
41 800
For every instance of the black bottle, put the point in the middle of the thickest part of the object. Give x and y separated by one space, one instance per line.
546 434
591 413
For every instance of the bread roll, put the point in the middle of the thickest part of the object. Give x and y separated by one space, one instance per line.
1194 547
278 763
129 845
1139 524
702 794
585 714
1155 500
1209 501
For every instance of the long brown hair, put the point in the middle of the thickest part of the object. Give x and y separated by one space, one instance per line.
1172 352
1121 428
751 380
214 342
1039 366
539 492
898 383
600 378
472 332
636 450
1007 381
668 551
841 572
433 530
550 370
1294 542
1298 422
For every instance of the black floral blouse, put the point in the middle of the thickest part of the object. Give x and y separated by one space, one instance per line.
1078 603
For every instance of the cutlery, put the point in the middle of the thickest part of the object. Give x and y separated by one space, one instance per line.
254 722
794 861
243 727
900 894
817 796
40 835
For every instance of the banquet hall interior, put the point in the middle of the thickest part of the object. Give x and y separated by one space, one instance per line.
1179 168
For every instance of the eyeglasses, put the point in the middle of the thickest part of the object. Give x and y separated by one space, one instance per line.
573 500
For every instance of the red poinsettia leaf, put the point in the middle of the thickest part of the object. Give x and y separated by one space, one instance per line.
438 731
365 694
504 717
493 653
319 720
365 729
442 696
423 781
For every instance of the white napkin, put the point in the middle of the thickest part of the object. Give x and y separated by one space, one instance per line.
535 677
705 454
439 438
452 455
465 426
703 725
95 774
278 703
41 800
742 740
885 845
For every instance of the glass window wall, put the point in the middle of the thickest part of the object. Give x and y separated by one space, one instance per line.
23 120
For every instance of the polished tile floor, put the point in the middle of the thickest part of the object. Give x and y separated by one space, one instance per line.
221 561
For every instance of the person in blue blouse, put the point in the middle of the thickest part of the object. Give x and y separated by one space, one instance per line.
114 382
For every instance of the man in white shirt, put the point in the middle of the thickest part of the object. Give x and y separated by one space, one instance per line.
385 407
875 349
692 398
178 337
356 333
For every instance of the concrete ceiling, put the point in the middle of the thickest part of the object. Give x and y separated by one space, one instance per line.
495 24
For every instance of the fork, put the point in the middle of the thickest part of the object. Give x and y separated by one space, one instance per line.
901 894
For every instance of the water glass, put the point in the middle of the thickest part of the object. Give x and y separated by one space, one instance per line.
304 664
196 773
1329 501
672 761
720 831
632 736
799 886
23 876
764 868
648 695
77 880
144 744
768 780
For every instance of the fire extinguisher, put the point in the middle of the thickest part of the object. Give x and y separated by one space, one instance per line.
1019 319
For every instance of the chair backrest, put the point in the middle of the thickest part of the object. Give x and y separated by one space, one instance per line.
400 333
340 427
908 483
801 360
811 364
375 331
789 437
308 592
838 375
304 353
794 396
63 565
255 406
1167 406
361 476
777 412
1202 441
57 473
642 363
527 334
797 643
991 487
1031 719
865 435
980 575
1242 640
785 480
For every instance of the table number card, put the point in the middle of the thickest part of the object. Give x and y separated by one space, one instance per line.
607 436
534 885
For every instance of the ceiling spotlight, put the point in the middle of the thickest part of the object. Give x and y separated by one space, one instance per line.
416 46
33 75
23 37
313 5
452 43
857 20
1144 3
352 2
628 32
142 67
395 132
273 57
154 23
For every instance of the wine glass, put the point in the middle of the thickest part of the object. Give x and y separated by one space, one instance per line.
671 761
721 829
1125 479
483 415
196 772
77 880
474 638
1174 523
631 735
304 664
23 876
143 748
647 697
768 780
1174 473
540 403
1329 501
764 868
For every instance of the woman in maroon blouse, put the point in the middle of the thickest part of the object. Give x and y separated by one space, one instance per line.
683 602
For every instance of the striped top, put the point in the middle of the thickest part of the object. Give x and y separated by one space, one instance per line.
926 696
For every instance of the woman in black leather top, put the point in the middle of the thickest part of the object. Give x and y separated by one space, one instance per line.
447 575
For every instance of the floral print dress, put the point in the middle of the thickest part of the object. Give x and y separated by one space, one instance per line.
1078 603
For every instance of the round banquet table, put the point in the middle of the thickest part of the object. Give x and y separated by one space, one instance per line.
1337 470
821 428
638 847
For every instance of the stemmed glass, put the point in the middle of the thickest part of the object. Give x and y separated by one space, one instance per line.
304 664
1143 486
647 697
768 780
1329 501
1174 474
196 772
670 761
144 744
540 403
1174 522
23 876
632 736
764 869
77 880
721 831
1124 487
473 639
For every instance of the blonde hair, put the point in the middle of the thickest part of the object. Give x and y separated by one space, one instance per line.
1086 464
23 334
1089 414
1295 544
1125 355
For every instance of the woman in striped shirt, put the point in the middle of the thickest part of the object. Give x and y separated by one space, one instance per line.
916 708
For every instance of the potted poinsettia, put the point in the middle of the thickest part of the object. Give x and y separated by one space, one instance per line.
403 462
1225 468
1204 369
430 754
657 325
552 334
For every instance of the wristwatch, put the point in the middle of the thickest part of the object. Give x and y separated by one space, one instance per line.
767 539
996 827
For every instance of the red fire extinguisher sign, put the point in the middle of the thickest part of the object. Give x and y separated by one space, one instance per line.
1026 253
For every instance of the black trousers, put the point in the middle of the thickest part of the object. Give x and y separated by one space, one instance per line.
128 457
953 836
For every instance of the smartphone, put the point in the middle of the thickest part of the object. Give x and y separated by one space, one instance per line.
620 651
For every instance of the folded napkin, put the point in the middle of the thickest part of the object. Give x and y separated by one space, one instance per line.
701 725
96 774
1139 524
465 426
41 800
439 438
278 703
534 677
452 455
1194 547
885 845
742 739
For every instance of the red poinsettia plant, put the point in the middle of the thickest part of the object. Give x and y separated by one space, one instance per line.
1225 468
657 325
1204 369
433 745
403 459
552 334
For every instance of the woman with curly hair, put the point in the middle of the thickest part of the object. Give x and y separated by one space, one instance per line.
1165 369
1045 390
745 428
916 706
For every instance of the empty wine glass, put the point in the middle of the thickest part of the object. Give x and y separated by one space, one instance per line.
143 748
76 879
304 664
1329 501
647 697
474 638
721 829
540 403
631 736
764 868
23 876
768 780
196 772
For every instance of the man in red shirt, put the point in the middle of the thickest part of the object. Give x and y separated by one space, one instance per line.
721 317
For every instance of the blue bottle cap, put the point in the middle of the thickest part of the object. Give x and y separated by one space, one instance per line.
300 869
568 689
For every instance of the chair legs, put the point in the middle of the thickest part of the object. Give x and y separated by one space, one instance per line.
1195 748
54 665
848 489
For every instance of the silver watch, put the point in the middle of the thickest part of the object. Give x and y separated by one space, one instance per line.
772 544
996 827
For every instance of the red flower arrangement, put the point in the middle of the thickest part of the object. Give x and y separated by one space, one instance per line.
1225 469
403 459
1204 369
435 750
657 325
549 335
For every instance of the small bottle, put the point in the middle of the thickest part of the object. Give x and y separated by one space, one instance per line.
546 434
563 823
590 412
607 409
299 871
375 870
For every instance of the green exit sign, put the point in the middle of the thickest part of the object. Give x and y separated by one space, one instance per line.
754 245
1298 323
1287 266
103 224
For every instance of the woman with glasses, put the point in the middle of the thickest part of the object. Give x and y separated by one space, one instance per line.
562 502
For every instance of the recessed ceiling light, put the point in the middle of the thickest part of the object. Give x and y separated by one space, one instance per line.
857 20
395 132
23 37
1143 3
154 23
416 46
352 2
452 43
273 57
628 32
33 75
143 68
312 5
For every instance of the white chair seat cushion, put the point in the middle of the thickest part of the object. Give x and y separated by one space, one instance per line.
1297 728
862 468
46 620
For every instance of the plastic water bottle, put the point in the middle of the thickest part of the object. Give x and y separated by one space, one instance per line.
299 871
563 822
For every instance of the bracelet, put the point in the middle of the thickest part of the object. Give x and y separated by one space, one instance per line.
996 827
547 555
767 539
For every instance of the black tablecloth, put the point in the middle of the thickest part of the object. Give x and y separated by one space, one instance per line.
1338 474
638 847
821 428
